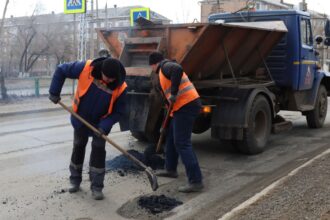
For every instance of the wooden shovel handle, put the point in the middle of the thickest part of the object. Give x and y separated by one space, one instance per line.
164 125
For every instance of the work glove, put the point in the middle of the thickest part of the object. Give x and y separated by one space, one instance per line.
101 133
54 98
172 99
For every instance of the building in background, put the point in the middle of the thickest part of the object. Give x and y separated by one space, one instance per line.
219 6
318 21
34 45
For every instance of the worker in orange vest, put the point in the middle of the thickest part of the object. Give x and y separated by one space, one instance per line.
179 91
100 100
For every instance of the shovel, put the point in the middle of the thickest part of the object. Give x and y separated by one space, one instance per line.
151 176
164 125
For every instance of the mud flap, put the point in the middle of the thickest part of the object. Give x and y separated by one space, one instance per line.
230 118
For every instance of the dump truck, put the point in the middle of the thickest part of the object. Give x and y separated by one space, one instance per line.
246 66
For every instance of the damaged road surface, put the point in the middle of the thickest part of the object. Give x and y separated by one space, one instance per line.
35 153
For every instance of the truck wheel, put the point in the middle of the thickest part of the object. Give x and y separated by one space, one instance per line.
316 117
256 135
140 136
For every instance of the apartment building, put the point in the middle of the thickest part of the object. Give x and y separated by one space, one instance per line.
215 6
36 44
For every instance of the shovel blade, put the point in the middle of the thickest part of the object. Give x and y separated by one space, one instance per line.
152 178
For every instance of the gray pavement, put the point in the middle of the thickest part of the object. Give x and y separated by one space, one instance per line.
304 195
30 104
230 178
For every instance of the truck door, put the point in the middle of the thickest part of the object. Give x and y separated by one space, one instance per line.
307 62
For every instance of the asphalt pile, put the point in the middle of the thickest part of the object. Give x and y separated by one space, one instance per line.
157 204
123 165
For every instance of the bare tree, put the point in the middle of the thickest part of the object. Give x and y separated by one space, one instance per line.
2 79
33 44
61 47
25 36
3 18
37 43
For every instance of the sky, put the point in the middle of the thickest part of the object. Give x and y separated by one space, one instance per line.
179 11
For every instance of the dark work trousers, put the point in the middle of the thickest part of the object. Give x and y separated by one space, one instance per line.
96 162
178 143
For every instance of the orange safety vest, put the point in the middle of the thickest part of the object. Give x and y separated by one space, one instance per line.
84 82
186 93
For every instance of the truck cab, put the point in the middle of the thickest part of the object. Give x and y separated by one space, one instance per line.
293 64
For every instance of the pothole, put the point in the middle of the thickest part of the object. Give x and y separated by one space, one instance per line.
158 204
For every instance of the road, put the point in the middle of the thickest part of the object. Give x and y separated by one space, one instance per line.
35 153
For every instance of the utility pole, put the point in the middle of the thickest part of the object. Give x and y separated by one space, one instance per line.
75 55
106 15
97 25
82 37
3 17
91 31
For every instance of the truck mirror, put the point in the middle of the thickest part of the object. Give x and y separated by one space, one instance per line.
318 39
327 41
327 28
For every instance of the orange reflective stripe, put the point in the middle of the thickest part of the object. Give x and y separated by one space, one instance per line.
186 93
85 79
84 82
185 89
184 79
116 93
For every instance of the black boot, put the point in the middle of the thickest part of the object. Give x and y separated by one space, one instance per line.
166 173
96 176
191 187
74 188
97 195
75 177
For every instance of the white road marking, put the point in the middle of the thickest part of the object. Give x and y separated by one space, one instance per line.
265 191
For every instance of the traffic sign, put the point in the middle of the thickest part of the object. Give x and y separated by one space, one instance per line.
74 6
139 12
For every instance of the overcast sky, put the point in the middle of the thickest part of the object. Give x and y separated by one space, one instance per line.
176 10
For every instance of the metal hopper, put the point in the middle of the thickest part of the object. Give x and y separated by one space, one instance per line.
206 51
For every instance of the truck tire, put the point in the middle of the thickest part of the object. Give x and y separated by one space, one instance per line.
256 135
140 136
315 118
